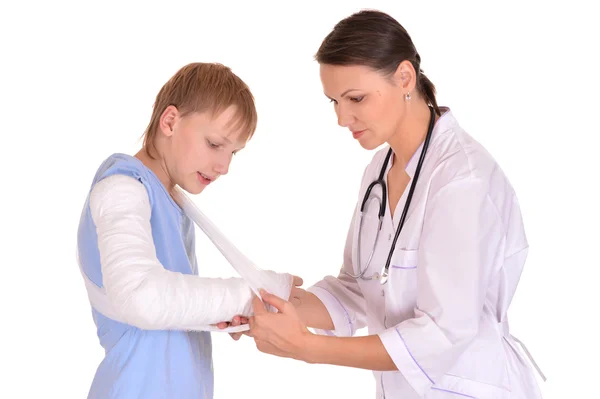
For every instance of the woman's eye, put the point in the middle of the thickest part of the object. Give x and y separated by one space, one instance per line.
331 100
357 99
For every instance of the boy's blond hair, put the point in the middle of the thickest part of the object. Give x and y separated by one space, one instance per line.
201 87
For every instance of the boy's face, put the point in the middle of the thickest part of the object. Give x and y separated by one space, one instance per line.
199 147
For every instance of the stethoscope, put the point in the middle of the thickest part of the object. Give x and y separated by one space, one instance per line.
382 205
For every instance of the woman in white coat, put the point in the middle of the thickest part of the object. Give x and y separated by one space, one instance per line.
437 314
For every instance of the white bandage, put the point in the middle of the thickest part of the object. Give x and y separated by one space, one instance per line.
279 284
275 283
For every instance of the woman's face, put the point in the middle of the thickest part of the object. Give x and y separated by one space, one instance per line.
370 105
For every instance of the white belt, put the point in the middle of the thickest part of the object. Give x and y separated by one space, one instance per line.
506 334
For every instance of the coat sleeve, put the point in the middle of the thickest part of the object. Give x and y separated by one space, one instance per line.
342 296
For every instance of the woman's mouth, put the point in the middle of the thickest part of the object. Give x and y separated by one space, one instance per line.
356 134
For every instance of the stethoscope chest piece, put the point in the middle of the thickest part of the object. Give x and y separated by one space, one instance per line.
384 275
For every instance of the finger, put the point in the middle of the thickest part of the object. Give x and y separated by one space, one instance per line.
238 320
258 306
297 281
275 301
253 328
236 336
223 325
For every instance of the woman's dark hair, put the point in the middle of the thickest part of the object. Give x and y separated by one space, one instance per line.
376 40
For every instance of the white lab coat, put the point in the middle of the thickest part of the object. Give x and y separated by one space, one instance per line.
442 314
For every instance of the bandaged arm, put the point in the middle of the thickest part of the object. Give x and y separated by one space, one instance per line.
140 289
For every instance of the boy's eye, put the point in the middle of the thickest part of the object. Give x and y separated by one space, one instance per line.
212 145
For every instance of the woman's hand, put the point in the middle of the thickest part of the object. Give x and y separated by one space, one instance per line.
281 334
239 320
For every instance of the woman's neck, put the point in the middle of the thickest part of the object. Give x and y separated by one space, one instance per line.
411 133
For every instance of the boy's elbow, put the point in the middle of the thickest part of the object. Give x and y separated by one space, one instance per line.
139 308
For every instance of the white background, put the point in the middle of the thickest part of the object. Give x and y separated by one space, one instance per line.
78 81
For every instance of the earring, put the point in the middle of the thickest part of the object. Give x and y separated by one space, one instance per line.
407 96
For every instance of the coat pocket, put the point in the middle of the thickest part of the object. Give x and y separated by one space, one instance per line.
401 288
450 386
